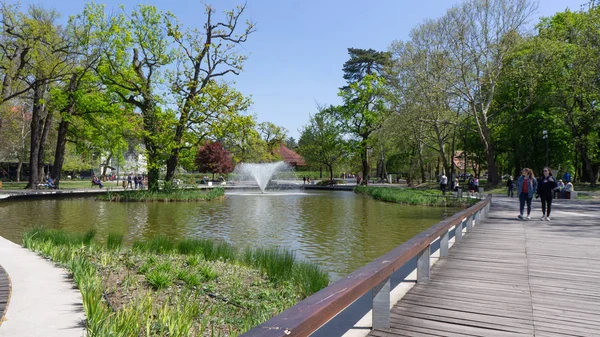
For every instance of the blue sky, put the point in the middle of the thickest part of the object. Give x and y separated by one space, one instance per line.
297 52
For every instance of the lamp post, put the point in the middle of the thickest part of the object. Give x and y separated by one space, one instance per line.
545 136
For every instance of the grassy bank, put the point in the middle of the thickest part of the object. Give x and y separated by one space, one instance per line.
186 288
186 195
408 196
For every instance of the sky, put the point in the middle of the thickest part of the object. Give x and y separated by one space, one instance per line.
295 57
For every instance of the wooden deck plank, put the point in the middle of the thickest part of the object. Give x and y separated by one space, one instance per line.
5 288
512 278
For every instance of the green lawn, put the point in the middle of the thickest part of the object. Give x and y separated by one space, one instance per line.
64 185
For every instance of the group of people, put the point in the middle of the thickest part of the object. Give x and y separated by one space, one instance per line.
472 184
546 188
136 180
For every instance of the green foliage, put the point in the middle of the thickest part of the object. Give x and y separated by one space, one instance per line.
160 244
159 279
114 241
414 197
182 295
181 195
321 143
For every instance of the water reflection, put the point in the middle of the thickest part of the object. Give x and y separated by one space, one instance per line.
340 231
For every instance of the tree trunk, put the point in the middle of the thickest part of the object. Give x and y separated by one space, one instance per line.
106 164
19 171
422 165
364 156
36 117
330 172
172 163
59 155
587 169
44 138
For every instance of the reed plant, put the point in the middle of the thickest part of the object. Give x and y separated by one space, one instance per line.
160 244
189 288
407 196
114 241
172 195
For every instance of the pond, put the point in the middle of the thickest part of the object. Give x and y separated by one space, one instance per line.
340 231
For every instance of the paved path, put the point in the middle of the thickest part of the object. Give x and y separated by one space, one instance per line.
44 301
512 278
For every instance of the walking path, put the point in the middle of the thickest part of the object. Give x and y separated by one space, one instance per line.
512 278
43 300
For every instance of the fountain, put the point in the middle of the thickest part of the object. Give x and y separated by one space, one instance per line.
261 173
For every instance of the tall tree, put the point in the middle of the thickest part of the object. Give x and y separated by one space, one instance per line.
138 49
575 39
272 134
321 143
363 112
48 64
206 108
81 94
364 62
477 36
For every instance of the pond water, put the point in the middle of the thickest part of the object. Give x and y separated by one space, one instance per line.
341 231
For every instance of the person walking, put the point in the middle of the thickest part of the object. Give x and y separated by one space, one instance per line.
511 186
129 181
526 187
443 183
545 190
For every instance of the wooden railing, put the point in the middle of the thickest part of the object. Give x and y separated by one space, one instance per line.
310 314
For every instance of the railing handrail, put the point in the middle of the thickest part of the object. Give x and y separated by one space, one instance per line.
311 313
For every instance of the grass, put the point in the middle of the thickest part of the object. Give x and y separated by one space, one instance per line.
409 196
165 288
184 195
64 184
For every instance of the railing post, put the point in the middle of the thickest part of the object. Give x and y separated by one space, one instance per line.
444 244
470 221
458 231
381 305
423 265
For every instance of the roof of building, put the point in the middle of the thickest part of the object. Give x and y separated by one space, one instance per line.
291 157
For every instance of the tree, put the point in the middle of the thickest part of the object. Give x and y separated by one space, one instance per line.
321 142
363 112
273 135
575 41
213 158
15 135
364 62
291 143
153 61
81 95
48 63
477 36
206 108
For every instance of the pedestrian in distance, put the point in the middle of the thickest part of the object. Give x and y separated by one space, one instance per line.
443 183
135 181
526 188
129 181
304 179
511 186
545 190
567 177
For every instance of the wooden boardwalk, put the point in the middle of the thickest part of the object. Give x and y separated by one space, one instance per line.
4 293
512 278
